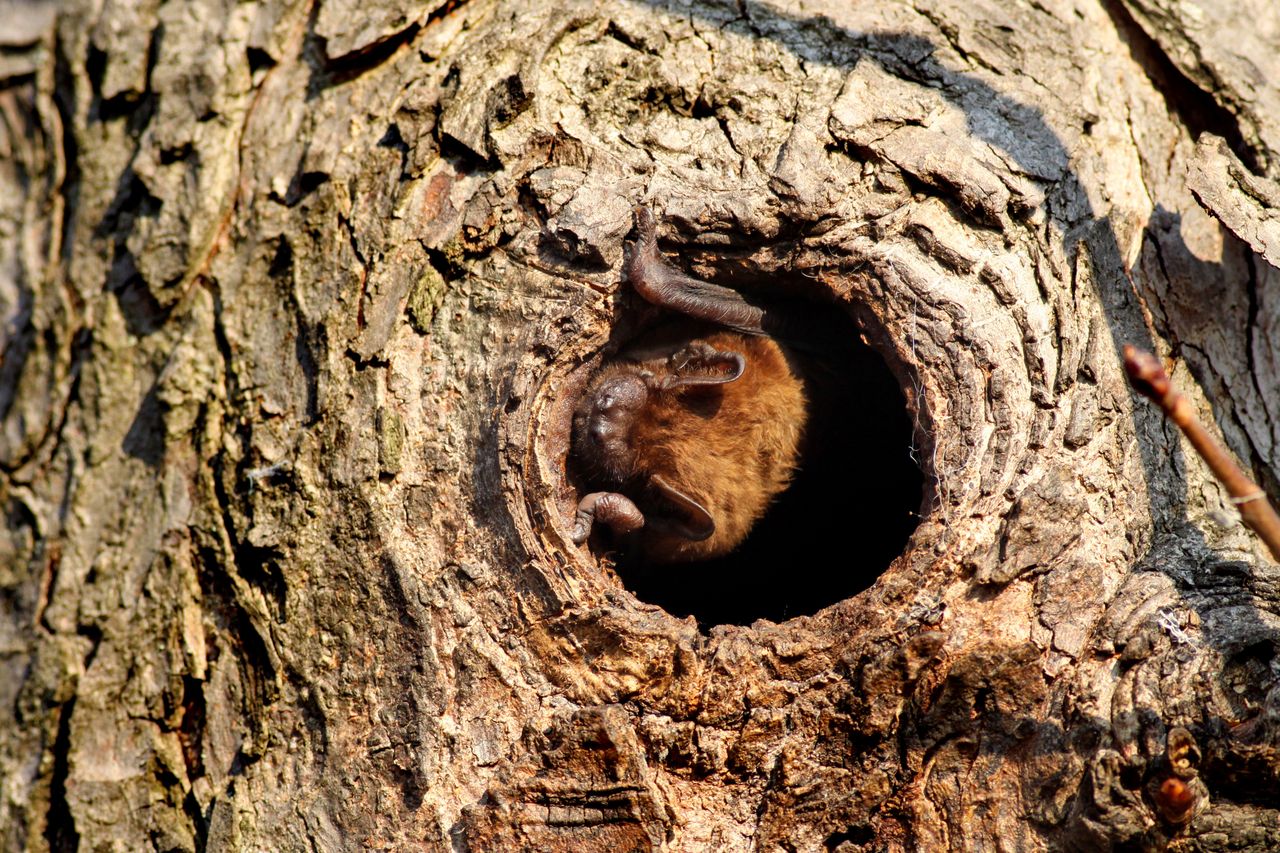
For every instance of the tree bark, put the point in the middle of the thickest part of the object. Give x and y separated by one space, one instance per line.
296 299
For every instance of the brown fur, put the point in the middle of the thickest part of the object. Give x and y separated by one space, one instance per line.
731 447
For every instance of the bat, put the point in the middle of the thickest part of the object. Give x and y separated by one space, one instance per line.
690 432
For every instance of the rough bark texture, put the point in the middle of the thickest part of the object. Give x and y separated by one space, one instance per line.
295 298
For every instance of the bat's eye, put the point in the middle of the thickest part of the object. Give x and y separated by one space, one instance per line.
620 394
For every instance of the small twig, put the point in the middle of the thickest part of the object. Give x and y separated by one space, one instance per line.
1148 376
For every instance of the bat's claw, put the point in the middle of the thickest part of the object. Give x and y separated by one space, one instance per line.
581 528
646 230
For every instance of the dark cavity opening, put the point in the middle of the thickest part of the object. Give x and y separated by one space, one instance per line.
847 514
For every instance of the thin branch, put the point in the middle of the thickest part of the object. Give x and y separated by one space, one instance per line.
1148 376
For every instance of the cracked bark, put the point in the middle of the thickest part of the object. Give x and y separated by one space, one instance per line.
293 299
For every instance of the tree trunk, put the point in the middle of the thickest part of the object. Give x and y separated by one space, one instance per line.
297 300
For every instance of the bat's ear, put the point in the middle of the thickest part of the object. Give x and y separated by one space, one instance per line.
691 520
715 368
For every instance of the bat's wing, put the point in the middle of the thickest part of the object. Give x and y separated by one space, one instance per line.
659 282
662 284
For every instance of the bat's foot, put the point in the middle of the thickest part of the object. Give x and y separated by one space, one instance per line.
610 508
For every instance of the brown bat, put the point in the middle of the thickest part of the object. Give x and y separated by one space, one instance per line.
692 432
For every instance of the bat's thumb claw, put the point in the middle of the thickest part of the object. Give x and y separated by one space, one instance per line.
644 223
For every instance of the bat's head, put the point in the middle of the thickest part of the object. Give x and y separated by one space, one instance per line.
603 421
